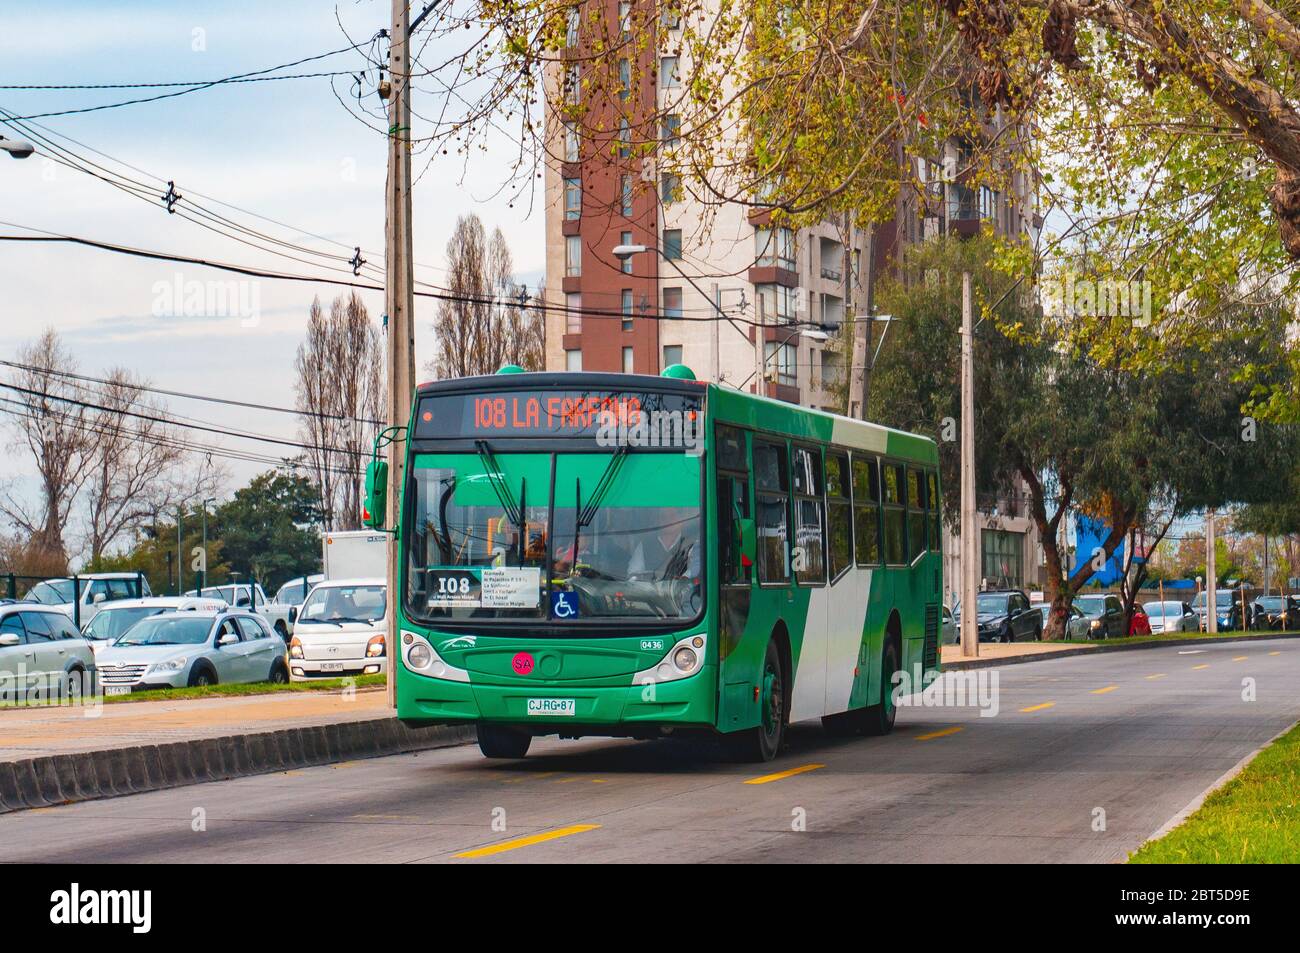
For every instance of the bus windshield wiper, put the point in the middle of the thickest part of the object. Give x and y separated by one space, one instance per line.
492 469
607 479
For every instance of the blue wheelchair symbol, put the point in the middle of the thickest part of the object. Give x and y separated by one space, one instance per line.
564 605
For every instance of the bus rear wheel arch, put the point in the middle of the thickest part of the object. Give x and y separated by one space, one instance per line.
878 719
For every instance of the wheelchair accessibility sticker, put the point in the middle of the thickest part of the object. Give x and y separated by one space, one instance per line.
564 605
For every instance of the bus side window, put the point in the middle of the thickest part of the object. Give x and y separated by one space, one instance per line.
839 513
811 568
916 503
895 515
932 501
733 503
772 499
866 510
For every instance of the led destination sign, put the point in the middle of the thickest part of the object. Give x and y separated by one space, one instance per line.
548 413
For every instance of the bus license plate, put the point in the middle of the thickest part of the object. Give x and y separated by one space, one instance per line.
549 707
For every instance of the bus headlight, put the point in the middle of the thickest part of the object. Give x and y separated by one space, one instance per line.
419 656
685 659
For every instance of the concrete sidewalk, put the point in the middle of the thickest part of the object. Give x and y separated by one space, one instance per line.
39 732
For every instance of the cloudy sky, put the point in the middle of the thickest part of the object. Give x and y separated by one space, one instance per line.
285 150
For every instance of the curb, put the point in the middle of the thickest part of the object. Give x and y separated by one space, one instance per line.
1101 647
113 772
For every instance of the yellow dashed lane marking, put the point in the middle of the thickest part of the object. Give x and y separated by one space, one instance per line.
1240 658
527 841
802 769
1274 653
943 733
1103 691
1152 678
1038 707
1197 668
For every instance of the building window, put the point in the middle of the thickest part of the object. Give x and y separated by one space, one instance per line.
625 195
627 360
573 313
672 354
1001 558
779 303
572 199
625 17
672 302
627 309
624 139
573 359
625 238
624 78
670 130
672 244
573 84
572 142
988 203
572 19
774 247
670 187
573 256
783 363
670 18
669 78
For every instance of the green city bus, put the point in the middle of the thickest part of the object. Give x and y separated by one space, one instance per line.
637 556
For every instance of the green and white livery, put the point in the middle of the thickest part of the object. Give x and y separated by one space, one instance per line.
610 554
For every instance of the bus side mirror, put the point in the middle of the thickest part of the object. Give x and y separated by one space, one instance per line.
376 505
746 541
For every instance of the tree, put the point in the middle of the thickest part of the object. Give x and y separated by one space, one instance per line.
59 433
493 320
1079 433
340 399
270 529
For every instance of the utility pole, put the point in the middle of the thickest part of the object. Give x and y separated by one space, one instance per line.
760 350
399 301
862 362
1211 577
970 640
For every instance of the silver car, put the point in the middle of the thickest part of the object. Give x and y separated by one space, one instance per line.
112 621
42 655
1076 626
176 649
1172 617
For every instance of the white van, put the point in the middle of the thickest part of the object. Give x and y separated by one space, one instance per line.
340 630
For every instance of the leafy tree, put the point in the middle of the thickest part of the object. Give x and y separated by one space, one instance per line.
270 530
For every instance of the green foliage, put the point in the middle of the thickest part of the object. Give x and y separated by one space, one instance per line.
271 528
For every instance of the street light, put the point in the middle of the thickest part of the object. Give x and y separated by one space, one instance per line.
205 544
18 148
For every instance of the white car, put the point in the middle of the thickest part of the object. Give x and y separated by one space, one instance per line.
42 654
114 619
194 648
95 590
340 630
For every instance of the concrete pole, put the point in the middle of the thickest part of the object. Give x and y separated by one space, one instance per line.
760 350
715 361
399 302
970 644
1211 577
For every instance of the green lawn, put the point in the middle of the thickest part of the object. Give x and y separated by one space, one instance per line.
217 691
1253 819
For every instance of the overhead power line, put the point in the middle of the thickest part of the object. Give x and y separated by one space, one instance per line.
239 77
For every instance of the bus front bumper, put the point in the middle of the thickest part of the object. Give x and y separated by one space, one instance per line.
550 706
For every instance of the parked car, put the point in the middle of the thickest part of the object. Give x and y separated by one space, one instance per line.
1139 623
42 652
116 618
233 594
340 630
1076 626
1004 615
198 647
951 632
95 589
1275 612
1169 616
282 611
1104 615
1227 604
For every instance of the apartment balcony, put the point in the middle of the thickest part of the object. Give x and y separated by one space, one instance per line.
831 255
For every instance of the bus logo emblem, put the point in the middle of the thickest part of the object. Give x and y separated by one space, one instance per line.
522 663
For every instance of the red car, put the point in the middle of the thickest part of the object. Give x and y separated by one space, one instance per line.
1140 624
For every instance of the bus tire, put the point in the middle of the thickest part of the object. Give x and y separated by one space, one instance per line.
878 719
497 741
763 741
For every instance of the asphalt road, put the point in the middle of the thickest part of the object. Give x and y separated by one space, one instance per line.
1136 735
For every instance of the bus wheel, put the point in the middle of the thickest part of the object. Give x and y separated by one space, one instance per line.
496 741
878 719
763 742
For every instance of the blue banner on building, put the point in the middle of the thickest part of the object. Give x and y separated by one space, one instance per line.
1089 535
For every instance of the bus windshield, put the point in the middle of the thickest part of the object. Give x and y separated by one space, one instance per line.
555 537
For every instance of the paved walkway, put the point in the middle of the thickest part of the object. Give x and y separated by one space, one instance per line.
1000 650
36 732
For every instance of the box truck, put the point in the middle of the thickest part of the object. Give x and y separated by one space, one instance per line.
360 554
